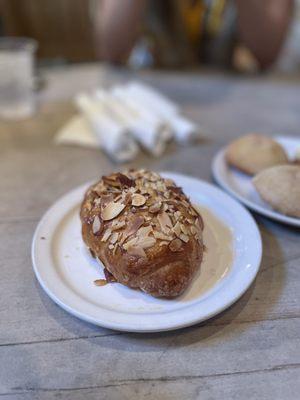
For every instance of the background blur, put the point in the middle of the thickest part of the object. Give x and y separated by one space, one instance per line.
242 36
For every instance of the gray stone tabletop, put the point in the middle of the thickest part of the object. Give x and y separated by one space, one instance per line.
250 351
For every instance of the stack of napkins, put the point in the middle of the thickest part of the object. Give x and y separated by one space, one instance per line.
123 119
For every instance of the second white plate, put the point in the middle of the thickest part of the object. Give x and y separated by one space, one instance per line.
66 271
240 185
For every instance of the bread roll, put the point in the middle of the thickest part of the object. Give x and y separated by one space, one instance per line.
280 187
254 152
144 230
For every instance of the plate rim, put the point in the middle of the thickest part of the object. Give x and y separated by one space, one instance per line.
192 321
272 214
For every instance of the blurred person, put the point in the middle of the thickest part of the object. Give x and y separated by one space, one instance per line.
180 33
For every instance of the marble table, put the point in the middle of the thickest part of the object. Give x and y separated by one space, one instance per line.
250 351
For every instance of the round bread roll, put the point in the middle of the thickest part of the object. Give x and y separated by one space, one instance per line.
144 230
280 187
254 152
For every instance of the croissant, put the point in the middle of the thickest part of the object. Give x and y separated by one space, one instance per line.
144 230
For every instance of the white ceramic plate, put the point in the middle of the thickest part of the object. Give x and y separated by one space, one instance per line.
66 271
240 185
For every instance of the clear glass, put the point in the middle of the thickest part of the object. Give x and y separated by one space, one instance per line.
16 77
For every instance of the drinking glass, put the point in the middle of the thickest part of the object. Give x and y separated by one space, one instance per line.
16 77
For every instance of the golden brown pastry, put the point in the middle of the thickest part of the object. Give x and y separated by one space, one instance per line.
254 152
280 187
144 230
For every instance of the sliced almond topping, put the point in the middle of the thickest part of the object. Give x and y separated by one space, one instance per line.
154 208
97 201
193 211
134 225
185 203
126 198
88 206
115 248
160 235
106 198
190 221
144 231
99 188
176 229
96 227
110 246
106 235
199 222
118 197
117 225
184 237
177 214
130 243
114 238
111 180
153 177
125 181
169 182
176 245
151 192
138 200
163 243
136 251
164 222
132 190
165 207
199 236
144 191
194 230
134 248
161 187
147 241
184 229
112 210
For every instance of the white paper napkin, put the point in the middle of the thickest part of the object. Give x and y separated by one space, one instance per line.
77 131
149 130
125 116
184 130
112 136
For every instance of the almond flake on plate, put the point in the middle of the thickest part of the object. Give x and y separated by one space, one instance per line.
100 282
